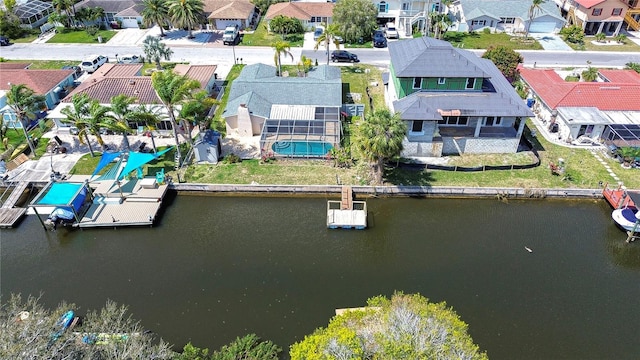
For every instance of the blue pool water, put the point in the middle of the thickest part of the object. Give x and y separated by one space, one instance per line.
301 148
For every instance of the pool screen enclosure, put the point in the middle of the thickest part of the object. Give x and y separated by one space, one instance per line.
309 132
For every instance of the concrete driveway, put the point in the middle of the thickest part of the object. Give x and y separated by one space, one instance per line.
551 42
128 37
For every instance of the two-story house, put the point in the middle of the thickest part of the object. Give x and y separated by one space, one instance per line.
594 16
632 17
406 14
452 101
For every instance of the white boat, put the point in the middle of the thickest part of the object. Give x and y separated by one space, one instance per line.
626 218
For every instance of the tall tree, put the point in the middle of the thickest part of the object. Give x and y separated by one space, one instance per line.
150 116
155 12
534 9
186 13
155 50
506 60
379 138
285 25
330 34
197 108
440 23
64 8
122 114
76 114
281 48
356 19
403 327
30 331
24 103
98 117
173 90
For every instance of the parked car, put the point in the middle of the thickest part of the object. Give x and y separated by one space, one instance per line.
585 140
77 70
4 41
390 31
379 40
316 34
339 39
231 35
92 63
343 55
129 59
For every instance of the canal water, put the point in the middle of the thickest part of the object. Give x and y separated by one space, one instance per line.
220 267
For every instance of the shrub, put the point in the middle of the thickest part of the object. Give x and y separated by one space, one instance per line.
573 34
231 159
486 30
621 38
571 78
600 37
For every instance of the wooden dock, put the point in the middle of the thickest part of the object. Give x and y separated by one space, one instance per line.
346 213
133 203
9 214
617 198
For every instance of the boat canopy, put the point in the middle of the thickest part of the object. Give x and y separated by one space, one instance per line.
62 194
635 197
105 159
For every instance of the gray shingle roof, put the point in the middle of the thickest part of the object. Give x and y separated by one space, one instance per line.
501 101
507 8
428 57
109 6
258 87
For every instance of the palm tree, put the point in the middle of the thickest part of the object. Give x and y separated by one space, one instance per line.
186 13
155 12
98 117
197 108
155 50
281 48
536 6
330 33
379 138
64 10
173 90
150 116
76 115
24 103
121 110
441 22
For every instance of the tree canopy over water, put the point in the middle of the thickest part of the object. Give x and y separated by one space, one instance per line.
403 327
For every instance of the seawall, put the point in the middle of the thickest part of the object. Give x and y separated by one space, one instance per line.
375 191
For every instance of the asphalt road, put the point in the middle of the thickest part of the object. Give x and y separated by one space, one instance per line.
250 55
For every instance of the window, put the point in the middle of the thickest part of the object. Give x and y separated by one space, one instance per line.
383 7
508 20
313 19
416 126
441 81
471 83
596 12
454 120
478 22
616 11
493 121
417 83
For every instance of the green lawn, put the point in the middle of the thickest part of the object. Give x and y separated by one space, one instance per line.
480 40
262 37
218 121
29 37
356 79
590 46
69 36
45 64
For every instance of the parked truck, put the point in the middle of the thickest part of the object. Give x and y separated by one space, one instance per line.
231 35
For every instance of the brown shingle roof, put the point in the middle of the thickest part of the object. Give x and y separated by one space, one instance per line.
13 66
106 88
40 81
228 9
300 10
114 79
202 73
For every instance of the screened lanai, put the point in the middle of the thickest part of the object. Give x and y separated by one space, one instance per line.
34 13
623 135
301 131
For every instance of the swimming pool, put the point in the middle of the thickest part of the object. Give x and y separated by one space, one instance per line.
301 148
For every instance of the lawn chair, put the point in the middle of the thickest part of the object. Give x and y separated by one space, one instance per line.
160 177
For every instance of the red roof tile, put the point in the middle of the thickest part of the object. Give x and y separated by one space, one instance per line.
589 3
621 76
13 66
201 73
606 96
40 81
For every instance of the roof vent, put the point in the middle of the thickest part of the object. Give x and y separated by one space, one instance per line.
132 82
609 87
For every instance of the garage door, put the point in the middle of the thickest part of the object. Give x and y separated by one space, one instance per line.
129 22
222 24
542 27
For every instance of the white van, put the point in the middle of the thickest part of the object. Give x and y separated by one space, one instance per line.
390 31
92 63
